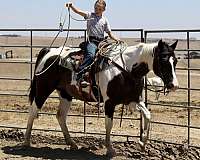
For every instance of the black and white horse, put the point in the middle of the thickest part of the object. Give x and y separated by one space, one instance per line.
117 86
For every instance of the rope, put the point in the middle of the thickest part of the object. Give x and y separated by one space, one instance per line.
82 20
121 115
112 47
67 36
61 25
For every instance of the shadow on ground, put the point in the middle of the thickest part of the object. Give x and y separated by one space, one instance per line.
49 153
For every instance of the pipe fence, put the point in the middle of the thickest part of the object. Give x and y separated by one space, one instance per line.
143 37
188 89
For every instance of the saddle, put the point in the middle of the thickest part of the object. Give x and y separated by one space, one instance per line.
75 58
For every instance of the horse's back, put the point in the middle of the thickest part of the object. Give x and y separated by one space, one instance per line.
53 53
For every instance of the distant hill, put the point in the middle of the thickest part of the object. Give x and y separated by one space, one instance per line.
10 35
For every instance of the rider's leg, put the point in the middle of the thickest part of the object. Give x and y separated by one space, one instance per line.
88 58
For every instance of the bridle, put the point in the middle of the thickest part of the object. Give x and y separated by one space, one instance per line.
158 60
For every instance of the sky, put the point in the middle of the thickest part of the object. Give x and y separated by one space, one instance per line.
145 14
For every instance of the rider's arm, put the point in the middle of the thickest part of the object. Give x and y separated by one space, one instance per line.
110 34
76 10
107 29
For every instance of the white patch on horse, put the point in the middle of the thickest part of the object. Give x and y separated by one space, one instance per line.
105 77
53 52
175 80
140 53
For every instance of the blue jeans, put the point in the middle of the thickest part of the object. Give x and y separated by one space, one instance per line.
89 56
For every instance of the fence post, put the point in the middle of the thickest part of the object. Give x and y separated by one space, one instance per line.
85 35
31 69
188 47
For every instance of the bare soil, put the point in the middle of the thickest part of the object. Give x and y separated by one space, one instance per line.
53 147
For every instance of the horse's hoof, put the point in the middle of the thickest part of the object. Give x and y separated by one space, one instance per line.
111 153
22 146
26 144
74 147
142 145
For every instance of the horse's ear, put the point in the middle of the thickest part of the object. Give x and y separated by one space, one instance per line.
160 44
174 45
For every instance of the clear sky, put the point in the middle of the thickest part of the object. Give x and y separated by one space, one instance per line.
146 14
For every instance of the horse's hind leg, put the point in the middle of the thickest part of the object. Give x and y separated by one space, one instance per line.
61 116
109 112
33 113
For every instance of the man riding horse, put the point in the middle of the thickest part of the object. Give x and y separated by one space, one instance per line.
97 24
118 84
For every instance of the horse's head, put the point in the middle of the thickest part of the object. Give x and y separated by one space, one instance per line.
164 64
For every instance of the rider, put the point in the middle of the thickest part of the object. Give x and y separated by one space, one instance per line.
97 24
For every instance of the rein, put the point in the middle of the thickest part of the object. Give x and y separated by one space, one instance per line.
160 90
156 90
119 67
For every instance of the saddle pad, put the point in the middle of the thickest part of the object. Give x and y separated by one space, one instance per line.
66 61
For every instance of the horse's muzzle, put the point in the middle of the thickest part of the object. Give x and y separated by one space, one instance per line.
171 87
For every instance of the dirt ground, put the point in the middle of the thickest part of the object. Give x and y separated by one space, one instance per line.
50 145
90 148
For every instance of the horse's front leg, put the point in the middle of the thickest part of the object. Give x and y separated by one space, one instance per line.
61 116
147 116
109 112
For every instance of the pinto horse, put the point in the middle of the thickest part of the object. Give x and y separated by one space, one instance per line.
120 82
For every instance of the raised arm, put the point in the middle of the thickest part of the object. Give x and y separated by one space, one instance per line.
76 10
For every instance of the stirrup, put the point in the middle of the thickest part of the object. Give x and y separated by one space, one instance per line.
84 84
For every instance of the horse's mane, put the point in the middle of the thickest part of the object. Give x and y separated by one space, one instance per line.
148 48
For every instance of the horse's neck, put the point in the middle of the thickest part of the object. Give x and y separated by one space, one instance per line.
146 55
141 53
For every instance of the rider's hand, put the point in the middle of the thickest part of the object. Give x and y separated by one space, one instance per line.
117 40
68 5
